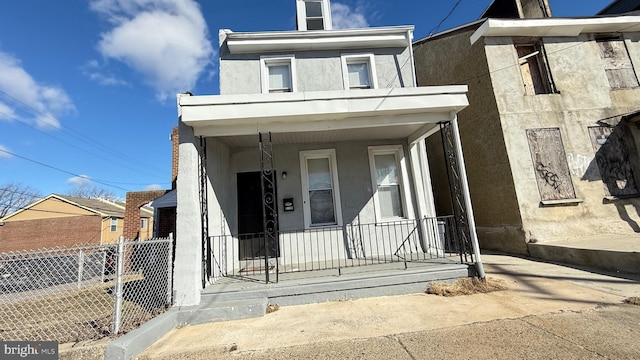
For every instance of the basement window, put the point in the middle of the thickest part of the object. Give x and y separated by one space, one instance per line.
534 69
616 63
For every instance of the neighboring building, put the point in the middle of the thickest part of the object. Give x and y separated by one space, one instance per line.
620 7
318 134
550 153
63 221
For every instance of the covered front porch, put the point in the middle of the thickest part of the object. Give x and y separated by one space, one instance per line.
328 181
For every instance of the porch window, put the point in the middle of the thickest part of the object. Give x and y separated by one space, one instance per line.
320 188
387 176
277 74
536 76
113 226
616 63
359 71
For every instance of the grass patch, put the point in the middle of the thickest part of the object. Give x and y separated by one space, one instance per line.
633 300
70 315
466 286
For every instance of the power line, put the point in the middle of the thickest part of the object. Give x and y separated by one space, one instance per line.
72 133
103 182
445 18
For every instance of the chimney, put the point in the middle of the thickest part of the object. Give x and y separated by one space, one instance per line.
175 143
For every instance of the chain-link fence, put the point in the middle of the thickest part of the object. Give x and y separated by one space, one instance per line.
82 293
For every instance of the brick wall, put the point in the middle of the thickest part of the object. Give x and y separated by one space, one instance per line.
50 233
175 143
135 200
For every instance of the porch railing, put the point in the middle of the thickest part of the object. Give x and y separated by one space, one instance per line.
339 247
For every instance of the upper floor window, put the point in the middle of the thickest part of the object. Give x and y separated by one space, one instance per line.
616 63
278 74
359 71
313 15
534 68
144 223
113 226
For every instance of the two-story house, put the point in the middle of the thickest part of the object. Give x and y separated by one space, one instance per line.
312 156
549 137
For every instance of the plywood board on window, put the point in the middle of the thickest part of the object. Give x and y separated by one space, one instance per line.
550 164
616 63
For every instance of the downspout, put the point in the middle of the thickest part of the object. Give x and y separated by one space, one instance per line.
413 64
467 197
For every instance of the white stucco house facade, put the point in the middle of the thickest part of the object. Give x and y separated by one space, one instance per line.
315 131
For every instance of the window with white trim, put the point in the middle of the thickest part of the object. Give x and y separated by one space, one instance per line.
358 71
144 223
278 74
320 190
313 15
387 176
113 226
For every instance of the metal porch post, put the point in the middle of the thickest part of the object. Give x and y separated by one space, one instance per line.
467 197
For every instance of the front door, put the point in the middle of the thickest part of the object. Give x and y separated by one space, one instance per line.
250 216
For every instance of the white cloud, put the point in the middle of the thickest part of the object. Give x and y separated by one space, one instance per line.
153 187
94 71
22 94
344 17
3 154
80 181
167 41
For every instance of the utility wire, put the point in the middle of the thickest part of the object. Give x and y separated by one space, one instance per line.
103 182
435 29
71 132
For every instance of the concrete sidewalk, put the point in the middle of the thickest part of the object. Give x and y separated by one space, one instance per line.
549 311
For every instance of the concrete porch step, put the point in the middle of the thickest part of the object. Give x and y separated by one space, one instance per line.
606 252
303 290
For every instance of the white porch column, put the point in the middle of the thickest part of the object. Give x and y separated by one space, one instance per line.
422 179
467 197
424 197
188 261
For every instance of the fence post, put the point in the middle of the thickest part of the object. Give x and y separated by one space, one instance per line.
169 270
80 267
117 315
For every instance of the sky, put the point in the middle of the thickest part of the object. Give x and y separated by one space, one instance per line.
88 87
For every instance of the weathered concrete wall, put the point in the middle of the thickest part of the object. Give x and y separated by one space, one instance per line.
585 97
452 60
315 71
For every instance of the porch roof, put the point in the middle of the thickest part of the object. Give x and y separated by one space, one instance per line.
407 110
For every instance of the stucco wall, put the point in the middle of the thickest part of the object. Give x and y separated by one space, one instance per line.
585 97
453 60
315 71
354 179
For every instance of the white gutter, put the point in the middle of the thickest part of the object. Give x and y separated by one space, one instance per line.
556 26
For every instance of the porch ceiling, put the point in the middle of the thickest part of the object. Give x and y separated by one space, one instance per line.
329 136
323 116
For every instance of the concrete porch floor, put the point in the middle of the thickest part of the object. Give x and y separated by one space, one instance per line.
607 252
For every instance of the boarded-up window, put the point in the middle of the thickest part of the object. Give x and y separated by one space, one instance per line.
612 157
550 164
533 67
616 63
